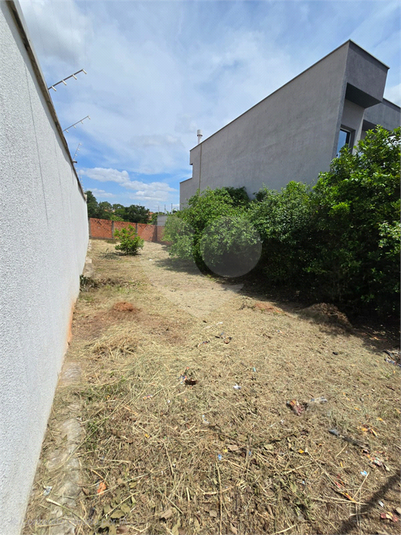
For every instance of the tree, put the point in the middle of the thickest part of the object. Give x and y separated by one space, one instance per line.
136 214
92 204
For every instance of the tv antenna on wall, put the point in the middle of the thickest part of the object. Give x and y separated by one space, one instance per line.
74 125
63 81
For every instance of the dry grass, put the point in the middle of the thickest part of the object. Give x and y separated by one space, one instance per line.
177 449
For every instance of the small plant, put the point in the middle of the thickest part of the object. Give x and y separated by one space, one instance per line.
129 240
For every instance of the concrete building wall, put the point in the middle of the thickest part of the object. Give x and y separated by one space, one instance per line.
386 114
44 237
293 133
293 125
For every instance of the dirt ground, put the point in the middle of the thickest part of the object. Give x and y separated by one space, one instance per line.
193 405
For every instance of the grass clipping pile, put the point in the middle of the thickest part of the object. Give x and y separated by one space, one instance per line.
199 433
176 449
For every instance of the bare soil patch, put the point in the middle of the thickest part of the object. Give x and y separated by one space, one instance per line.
187 401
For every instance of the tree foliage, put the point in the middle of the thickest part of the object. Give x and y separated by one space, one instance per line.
116 212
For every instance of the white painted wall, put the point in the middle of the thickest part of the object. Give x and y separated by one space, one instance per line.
43 240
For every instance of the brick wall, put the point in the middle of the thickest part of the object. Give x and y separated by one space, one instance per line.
100 228
103 228
147 232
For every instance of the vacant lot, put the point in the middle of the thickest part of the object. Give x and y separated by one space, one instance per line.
171 414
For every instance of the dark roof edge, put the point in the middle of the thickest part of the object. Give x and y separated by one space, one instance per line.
292 79
385 100
16 12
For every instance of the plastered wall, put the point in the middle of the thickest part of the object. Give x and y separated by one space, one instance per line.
43 242
293 133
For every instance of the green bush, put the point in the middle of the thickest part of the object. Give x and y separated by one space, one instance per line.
184 228
129 240
282 220
230 246
337 242
356 224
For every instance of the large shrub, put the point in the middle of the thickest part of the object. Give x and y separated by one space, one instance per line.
356 224
283 222
185 228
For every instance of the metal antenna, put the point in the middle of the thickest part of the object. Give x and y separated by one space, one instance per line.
73 125
76 152
63 81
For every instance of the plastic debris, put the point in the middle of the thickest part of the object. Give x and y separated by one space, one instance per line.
296 407
219 456
375 459
203 343
381 504
318 400
334 432
101 487
395 357
390 361
204 420
254 369
341 490
147 397
364 473
236 387
190 382
389 516
370 430
47 491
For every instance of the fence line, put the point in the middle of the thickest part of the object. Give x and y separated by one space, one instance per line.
104 229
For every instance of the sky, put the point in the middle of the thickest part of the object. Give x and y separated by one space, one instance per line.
159 71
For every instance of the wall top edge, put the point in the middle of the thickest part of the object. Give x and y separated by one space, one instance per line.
21 25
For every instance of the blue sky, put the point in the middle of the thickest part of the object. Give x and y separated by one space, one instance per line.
158 71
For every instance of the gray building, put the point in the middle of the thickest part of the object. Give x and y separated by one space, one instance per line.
294 133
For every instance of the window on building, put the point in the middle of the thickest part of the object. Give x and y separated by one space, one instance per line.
343 139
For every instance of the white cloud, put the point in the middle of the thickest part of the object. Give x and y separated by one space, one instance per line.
102 194
141 191
106 175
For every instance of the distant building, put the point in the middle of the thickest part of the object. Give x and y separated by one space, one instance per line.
294 133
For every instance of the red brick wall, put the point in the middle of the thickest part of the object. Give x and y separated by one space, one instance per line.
147 232
118 225
100 228
103 228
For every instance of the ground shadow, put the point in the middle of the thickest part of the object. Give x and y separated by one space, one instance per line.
376 335
380 494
